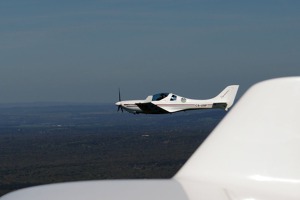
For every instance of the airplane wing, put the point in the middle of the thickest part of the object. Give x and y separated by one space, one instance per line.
150 108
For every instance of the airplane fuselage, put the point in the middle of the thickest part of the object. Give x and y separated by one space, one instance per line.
162 103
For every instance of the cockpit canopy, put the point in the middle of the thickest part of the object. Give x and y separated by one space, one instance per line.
159 96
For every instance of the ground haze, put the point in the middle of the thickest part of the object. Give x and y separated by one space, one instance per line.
50 143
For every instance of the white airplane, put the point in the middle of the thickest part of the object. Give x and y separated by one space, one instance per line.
169 103
252 154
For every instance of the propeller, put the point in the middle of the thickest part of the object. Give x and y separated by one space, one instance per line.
119 104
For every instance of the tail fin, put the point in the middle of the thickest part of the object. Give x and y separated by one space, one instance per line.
227 96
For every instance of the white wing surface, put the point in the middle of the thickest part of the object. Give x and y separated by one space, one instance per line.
257 145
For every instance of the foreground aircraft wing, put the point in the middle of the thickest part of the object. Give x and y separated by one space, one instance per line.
253 154
150 108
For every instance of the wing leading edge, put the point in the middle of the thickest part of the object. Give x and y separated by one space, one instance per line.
150 108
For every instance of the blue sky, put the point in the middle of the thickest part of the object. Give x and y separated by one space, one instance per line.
82 51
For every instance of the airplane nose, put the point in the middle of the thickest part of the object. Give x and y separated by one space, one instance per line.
119 104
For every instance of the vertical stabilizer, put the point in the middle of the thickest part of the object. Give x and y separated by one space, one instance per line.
227 95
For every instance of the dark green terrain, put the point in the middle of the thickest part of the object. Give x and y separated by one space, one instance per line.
46 143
